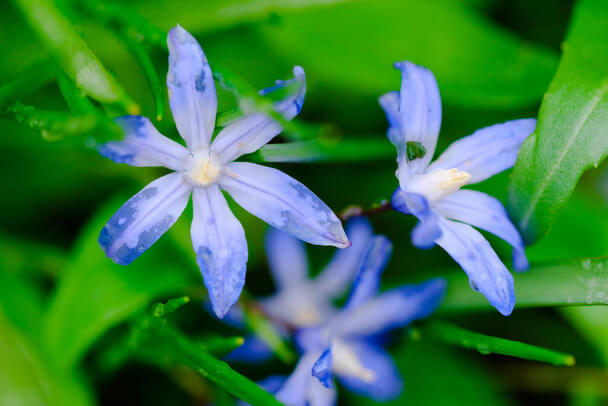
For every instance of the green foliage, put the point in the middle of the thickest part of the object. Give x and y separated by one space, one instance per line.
73 324
72 53
87 304
153 335
576 282
356 44
484 344
572 131
27 379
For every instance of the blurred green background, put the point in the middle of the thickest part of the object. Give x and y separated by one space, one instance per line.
65 309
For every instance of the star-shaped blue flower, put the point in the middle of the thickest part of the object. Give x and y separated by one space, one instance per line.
205 168
345 346
301 301
431 191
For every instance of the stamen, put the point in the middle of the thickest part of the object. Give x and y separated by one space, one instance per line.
439 183
202 168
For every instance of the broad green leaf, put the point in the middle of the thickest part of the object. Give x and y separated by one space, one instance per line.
17 256
72 53
22 302
213 15
576 282
572 131
591 323
26 378
349 48
94 294
485 344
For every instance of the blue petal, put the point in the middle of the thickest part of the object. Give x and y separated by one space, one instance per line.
368 279
392 309
310 339
300 305
319 395
419 110
249 133
253 351
487 151
143 145
387 384
427 230
322 369
487 274
192 94
221 249
286 258
284 203
294 391
390 103
141 221
342 269
483 211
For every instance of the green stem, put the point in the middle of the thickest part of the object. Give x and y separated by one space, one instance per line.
485 344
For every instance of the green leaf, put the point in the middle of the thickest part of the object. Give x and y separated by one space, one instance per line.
153 335
52 124
73 54
27 379
576 282
27 82
485 344
327 149
349 47
572 131
94 294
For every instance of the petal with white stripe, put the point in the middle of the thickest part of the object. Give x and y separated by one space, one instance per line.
487 151
486 212
192 94
284 203
249 133
143 145
487 274
221 248
144 218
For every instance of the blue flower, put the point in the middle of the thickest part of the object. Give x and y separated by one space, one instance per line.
431 191
301 301
204 169
345 346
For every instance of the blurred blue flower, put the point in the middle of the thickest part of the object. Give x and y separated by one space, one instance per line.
345 345
301 301
204 169
431 191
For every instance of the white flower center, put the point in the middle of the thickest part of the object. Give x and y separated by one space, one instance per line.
345 362
203 168
437 184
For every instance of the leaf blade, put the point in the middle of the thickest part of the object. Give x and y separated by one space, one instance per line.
572 131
